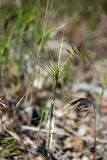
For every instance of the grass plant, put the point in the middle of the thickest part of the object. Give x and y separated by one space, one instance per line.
25 32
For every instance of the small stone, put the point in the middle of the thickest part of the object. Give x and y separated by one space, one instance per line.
38 83
85 158
82 130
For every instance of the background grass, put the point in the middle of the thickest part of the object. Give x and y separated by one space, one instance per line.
26 27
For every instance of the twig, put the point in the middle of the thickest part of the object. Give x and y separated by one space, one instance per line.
94 133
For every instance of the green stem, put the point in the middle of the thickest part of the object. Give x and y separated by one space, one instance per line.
52 115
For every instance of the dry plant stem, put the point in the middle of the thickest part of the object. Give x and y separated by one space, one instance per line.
94 133
101 97
1 121
44 28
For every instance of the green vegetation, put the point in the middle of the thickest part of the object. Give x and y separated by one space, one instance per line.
26 27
